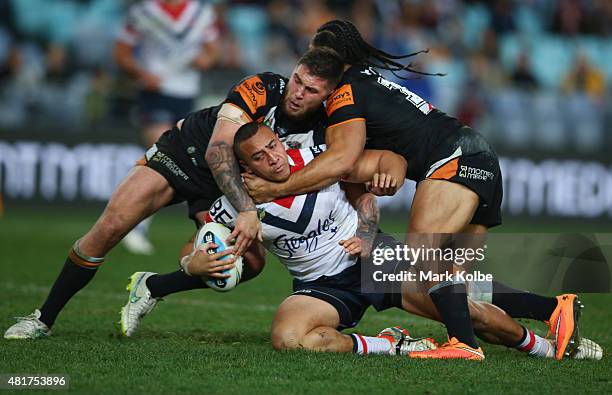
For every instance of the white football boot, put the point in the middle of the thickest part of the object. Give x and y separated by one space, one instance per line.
587 349
28 327
402 343
140 303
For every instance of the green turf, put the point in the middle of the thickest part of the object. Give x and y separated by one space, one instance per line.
205 342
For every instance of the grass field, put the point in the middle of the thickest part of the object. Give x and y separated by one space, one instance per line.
205 342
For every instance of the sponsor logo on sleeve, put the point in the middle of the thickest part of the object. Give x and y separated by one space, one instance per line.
474 173
339 98
253 93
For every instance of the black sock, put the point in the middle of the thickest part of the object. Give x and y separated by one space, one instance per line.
522 304
355 346
71 280
525 334
451 302
161 285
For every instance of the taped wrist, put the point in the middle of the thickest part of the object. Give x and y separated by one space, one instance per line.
234 114
185 263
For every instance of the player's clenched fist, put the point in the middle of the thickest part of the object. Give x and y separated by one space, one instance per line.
383 184
260 190
357 247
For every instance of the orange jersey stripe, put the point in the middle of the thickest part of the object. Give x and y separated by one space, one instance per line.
446 172
141 162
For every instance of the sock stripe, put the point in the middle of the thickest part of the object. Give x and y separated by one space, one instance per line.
532 340
79 261
529 342
363 343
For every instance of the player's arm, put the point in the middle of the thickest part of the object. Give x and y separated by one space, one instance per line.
345 143
210 50
368 216
383 171
208 55
124 56
226 172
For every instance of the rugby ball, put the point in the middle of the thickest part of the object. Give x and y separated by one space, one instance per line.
216 233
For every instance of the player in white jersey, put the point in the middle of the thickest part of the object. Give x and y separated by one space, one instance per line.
302 230
305 232
165 45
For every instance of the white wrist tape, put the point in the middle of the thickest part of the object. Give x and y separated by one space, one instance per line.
185 263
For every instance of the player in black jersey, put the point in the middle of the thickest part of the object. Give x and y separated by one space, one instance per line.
459 186
183 166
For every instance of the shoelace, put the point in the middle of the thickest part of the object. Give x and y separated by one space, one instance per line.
31 317
449 344
29 320
143 306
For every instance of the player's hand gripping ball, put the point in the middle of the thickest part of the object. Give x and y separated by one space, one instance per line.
217 233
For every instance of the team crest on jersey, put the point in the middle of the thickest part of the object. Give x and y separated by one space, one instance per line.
253 93
292 144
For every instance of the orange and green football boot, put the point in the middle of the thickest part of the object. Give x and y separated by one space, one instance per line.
454 349
563 324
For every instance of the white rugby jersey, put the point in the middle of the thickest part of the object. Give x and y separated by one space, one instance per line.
168 42
303 231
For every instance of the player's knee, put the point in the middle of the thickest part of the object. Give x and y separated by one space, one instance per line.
318 339
285 337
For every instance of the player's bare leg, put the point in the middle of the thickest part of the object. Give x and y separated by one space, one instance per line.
137 241
303 322
142 192
561 314
441 207
490 322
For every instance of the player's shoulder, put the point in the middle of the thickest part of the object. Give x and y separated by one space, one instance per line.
141 11
205 9
141 5
259 91
356 85
361 78
266 81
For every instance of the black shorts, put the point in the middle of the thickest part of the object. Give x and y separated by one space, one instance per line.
158 108
183 165
466 158
344 292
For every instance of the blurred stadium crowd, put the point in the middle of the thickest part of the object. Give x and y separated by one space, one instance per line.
526 73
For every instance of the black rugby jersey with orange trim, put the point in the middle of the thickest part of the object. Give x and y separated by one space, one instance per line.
259 96
396 118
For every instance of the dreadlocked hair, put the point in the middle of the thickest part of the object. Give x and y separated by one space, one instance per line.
343 37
